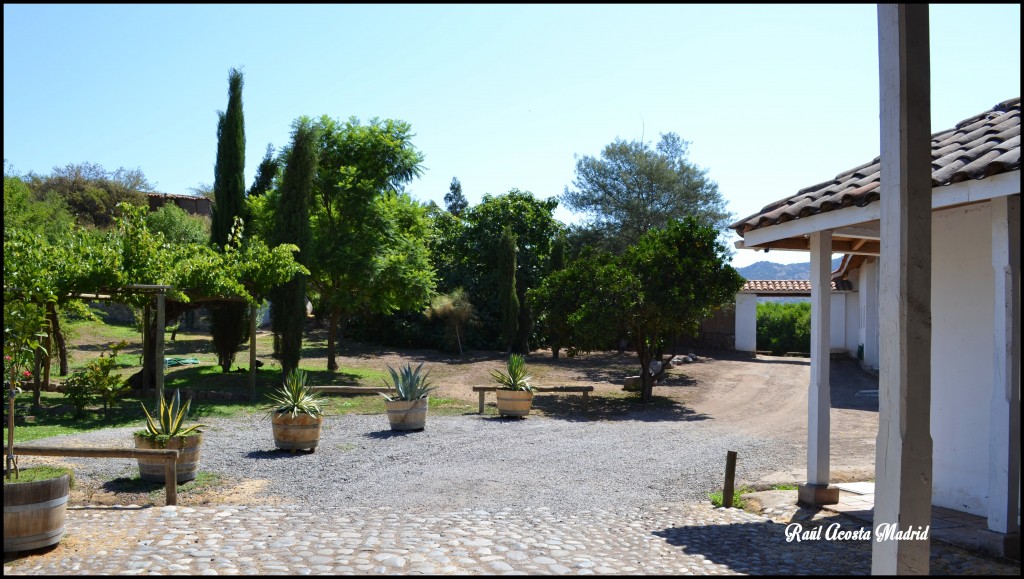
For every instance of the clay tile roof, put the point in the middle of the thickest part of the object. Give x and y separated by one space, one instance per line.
982 146
770 286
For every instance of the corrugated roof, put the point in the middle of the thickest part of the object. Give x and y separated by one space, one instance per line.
768 286
981 146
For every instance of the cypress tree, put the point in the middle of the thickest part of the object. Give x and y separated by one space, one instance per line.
291 225
229 324
506 269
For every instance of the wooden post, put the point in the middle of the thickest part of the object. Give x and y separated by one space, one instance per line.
730 478
158 362
903 461
1004 426
145 343
252 352
586 400
171 480
481 402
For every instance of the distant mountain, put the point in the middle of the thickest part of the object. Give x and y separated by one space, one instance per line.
772 270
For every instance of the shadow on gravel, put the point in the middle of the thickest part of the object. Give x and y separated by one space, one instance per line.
614 408
276 453
386 434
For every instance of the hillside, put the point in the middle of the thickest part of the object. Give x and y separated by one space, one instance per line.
772 270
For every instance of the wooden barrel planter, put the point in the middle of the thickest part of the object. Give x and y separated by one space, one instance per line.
299 433
152 469
34 513
407 415
514 403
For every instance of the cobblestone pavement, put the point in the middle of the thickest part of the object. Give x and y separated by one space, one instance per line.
674 539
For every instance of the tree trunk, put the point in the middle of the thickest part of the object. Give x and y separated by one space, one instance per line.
62 346
332 327
458 339
37 386
554 351
645 354
51 313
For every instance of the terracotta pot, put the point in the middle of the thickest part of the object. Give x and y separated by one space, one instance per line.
407 415
34 513
515 403
299 433
152 469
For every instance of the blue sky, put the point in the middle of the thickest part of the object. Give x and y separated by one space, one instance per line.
773 98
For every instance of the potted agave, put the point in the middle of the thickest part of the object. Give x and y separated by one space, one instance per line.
169 431
407 407
295 414
515 394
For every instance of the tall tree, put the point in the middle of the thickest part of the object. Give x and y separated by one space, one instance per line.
291 225
668 282
534 225
229 322
369 239
266 172
454 200
633 188
506 268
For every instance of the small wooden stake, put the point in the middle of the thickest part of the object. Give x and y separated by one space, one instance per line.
730 478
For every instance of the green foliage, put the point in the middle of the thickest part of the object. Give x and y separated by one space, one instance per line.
407 384
96 383
634 188
737 497
454 200
291 225
369 251
48 216
295 396
91 193
515 376
229 324
506 268
178 226
170 419
784 327
532 222
667 282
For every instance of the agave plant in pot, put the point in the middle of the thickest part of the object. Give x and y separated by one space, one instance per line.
295 414
407 406
168 430
515 394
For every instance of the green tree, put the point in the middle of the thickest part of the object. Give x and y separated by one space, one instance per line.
362 261
784 327
506 269
229 322
668 282
533 223
454 200
266 172
633 188
291 225
90 192
177 226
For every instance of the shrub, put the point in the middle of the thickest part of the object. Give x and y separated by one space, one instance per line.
784 327
95 383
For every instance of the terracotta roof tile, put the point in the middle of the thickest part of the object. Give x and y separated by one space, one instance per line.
982 146
770 286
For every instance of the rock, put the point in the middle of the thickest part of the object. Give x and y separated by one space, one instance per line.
632 384
655 367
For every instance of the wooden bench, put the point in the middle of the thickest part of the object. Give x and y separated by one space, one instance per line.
350 389
585 390
170 457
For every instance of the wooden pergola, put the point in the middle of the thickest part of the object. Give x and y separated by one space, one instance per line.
159 293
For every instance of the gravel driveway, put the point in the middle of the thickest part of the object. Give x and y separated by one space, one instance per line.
468 461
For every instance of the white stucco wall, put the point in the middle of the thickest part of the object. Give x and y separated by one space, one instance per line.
962 353
868 328
746 322
837 322
852 338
